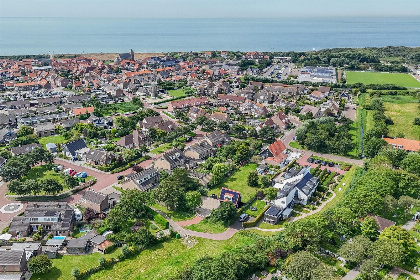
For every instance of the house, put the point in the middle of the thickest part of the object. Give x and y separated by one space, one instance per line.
99 157
24 149
187 103
232 100
317 95
330 108
145 180
134 140
30 249
275 153
315 111
171 160
67 124
7 135
8 120
382 222
51 147
254 109
219 117
12 261
195 112
56 218
218 138
43 130
95 200
296 189
404 144
76 149
230 195
150 122
199 150
274 214
84 110
77 246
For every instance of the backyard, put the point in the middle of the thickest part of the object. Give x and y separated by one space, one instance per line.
399 79
177 93
162 148
238 182
56 139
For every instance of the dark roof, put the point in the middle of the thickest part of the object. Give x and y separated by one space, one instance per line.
2 160
274 211
143 178
25 149
307 183
94 197
175 158
74 146
218 137
382 222
11 257
98 239
236 196
76 243
202 148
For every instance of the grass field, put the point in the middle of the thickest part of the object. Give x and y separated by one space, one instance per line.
161 148
206 226
399 79
355 134
163 261
403 116
238 182
56 139
42 172
177 93
259 204
174 215
296 145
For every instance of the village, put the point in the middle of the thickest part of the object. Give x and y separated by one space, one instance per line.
96 155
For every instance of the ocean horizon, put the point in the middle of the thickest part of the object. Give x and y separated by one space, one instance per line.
41 35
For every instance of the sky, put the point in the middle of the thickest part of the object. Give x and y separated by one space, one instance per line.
208 8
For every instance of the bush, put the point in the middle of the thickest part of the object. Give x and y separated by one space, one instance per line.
416 121
75 272
153 227
40 264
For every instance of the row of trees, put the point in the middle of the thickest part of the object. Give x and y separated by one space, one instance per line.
17 167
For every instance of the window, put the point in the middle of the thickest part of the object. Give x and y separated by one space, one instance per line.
3 267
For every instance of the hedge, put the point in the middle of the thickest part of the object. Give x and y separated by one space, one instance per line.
160 221
257 219
114 169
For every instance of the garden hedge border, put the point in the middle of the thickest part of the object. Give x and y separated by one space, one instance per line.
257 219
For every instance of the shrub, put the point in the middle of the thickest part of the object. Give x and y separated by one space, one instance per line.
75 272
153 227
40 264
102 262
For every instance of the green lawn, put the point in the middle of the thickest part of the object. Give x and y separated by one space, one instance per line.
41 172
402 115
399 79
206 226
63 264
355 134
270 226
161 148
174 215
177 93
260 205
400 99
56 139
238 182
110 109
163 261
295 145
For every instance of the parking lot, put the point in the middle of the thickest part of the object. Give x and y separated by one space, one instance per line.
304 162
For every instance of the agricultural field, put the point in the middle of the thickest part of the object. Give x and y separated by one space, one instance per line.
399 79
402 116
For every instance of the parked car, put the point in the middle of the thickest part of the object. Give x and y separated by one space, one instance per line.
331 164
120 177
323 163
252 208
243 217
81 175
310 160
188 139
317 161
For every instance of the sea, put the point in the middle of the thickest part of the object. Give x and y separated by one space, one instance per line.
38 35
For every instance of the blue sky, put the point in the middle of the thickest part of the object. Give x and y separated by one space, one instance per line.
208 8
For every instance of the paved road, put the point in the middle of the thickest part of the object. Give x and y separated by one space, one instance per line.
352 274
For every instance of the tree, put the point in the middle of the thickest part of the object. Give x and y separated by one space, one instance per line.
357 250
17 187
89 214
75 272
224 125
208 125
24 130
50 185
224 214
267 133
399 235
265 181
372 146
253 179
406 202
193 200
390 203
14 168
369 269
302 264
369 228
271 193
71 182
31 185
411 163
343 220
40 264
219 171
387 252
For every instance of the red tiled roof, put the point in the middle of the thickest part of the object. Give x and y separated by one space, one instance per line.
277 148
406 144
79 111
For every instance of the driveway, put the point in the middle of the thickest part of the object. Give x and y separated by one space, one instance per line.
304 162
